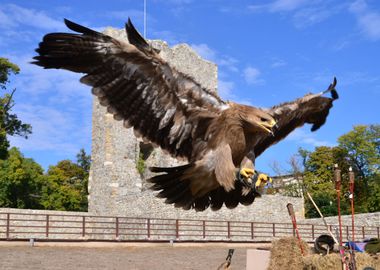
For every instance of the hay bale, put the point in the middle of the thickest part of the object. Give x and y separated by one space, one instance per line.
286 254
373 246
333 261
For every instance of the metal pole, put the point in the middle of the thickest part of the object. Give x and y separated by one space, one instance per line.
337 178
338 181
323 218
351 182
144 18
293 217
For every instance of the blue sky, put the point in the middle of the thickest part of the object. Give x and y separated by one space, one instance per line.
267 52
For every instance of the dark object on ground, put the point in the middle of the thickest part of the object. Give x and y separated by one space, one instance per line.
324 244
373 246
227 263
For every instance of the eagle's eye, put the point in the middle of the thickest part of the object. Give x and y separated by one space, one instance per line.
263 119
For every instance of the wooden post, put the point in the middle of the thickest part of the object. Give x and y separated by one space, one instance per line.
252 231
294 222
228 230
148 228
177 228
204 228
116 227
274 229
83 226
312 231
47 226
8 224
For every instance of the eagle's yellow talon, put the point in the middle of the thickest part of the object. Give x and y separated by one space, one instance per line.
247 173
263 179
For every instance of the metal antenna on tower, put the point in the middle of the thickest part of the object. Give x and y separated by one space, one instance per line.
144 18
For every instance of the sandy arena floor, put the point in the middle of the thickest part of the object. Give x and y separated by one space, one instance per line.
54 256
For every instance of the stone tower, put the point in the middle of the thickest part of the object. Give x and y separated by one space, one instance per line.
116 186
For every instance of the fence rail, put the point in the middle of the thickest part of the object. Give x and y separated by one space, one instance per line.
53 227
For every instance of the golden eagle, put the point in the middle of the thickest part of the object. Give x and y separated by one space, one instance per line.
219 139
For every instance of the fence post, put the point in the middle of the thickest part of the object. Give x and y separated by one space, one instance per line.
274 229
378 233
117 227
228 230
363 232
177 229
312 231
148 228
348 237
252 231
83 226
8 224
47 226
204 229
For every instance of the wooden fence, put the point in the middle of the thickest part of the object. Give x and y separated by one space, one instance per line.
57 227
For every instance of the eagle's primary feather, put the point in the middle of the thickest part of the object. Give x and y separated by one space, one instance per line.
171 110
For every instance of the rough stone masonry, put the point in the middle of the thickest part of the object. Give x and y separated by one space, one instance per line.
117 187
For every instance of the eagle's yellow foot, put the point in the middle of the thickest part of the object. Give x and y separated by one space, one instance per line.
245 176
253 179
262 180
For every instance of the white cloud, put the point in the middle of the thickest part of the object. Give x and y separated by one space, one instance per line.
223 61
251 75
204 51
278 63
12 16
53 129
303 12
310 16
279 6
306 137
286 5
56 105
368 20
225 89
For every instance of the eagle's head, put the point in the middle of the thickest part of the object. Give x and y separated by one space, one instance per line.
256 119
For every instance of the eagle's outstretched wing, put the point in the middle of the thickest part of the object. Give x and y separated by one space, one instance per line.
310 109
136 85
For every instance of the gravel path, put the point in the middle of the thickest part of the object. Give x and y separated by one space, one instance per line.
126 257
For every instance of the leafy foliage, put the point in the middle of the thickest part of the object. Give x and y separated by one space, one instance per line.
9 123
20 181
358 149
65 186
24 185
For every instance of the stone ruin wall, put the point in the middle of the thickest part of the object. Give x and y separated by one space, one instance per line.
117 188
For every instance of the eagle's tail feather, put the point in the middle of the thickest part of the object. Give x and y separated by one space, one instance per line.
172 185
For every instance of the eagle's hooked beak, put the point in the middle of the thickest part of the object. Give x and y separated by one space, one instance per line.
268 126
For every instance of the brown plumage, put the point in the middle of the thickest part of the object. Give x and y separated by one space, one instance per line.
171 110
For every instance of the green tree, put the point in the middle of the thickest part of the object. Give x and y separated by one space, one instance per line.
63 188
20 181
358 149
362 145
9 122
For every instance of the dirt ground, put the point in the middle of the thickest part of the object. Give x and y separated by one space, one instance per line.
136 256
